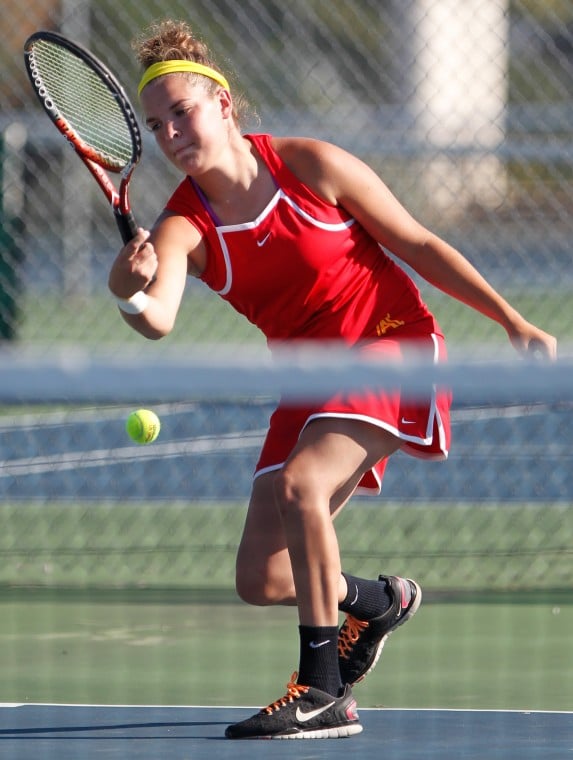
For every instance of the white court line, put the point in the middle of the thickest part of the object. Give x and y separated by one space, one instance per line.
32 420
102 457
254 707
498 412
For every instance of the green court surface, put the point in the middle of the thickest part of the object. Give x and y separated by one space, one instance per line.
182 647
446 547
131 603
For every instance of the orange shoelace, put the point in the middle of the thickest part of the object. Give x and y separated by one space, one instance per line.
294 691
349 635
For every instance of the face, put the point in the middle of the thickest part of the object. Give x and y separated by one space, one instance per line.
191 125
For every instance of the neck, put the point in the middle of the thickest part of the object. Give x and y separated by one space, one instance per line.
238 190
233 177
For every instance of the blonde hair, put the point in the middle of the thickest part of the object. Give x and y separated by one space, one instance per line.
169 40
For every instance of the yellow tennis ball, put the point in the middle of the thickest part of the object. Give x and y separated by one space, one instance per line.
143 426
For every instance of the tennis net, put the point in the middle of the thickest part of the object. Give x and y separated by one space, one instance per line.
86 507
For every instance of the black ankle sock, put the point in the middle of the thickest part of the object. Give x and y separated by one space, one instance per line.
318 666
365 599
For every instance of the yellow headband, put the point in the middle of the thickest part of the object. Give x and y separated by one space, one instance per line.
171 67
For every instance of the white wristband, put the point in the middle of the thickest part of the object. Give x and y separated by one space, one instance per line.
135 304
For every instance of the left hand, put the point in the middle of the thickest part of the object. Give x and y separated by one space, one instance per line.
530 340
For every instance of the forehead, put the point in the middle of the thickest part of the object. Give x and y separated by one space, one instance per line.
169 89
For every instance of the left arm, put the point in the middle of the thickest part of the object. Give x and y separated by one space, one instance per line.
342 179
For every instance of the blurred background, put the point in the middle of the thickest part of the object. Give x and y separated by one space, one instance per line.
466 111
463 108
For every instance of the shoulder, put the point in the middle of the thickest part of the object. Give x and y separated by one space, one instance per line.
303 152
317 163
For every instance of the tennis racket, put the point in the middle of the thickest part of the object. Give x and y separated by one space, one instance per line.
90 108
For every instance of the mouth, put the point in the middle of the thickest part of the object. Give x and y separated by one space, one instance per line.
183 150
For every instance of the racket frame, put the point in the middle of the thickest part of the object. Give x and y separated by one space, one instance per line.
95 163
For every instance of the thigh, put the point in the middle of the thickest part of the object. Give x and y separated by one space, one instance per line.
331 456
333 453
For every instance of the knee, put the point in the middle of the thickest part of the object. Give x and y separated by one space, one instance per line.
264 585
296 494
256 594
260 589
288 490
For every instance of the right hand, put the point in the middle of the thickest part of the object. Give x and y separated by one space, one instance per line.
134 267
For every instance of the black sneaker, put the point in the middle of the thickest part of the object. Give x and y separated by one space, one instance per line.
303 713
360 642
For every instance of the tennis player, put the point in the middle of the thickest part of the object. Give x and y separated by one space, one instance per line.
293 233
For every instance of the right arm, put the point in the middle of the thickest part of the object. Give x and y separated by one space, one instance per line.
158 263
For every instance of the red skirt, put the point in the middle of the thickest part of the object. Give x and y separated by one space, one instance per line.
422 425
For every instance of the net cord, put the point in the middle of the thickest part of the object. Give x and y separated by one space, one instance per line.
76 375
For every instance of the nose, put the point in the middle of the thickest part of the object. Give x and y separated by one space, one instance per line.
171 130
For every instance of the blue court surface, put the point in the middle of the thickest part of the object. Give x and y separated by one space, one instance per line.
83 732
209 450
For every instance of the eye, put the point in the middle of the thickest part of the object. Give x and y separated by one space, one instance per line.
153 126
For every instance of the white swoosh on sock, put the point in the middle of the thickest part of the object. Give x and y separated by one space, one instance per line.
317 645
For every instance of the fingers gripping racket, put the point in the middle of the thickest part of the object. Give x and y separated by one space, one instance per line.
90 108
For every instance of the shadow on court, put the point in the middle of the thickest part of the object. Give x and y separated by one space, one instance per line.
193 733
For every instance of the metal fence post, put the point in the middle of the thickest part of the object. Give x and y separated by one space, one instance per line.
12 139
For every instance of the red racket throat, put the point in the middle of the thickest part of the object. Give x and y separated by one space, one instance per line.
118 199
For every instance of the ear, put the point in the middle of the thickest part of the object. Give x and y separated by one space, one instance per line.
225 103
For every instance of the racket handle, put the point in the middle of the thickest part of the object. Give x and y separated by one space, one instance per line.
126 224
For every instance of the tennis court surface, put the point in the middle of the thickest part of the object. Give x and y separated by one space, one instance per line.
192 733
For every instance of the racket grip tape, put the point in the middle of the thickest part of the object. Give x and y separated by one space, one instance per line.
126 224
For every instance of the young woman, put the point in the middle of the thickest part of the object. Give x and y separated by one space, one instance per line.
291 232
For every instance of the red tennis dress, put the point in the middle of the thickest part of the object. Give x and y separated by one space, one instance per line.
307 270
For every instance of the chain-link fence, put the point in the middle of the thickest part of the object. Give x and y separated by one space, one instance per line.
464 108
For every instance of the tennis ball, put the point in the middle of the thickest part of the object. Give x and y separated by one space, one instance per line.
143 426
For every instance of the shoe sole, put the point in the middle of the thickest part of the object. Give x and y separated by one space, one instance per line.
334 732
339 732
404 619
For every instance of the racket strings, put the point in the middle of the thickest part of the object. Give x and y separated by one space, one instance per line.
71 89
